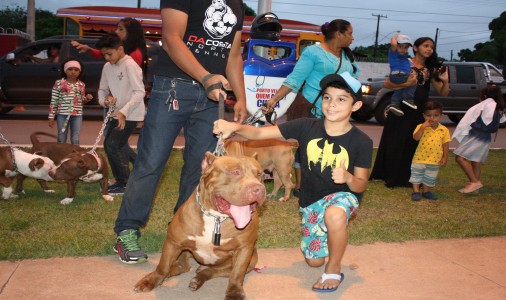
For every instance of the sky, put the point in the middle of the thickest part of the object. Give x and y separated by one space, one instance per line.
460 23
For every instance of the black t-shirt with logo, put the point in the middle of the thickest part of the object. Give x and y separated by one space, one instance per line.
320 153
211 28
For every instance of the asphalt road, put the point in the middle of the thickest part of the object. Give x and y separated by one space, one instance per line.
17 125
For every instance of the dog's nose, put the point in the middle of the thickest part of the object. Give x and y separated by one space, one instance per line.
258 189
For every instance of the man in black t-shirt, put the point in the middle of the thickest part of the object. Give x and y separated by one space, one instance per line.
201 45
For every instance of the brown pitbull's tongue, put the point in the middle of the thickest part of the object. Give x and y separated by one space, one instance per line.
241 215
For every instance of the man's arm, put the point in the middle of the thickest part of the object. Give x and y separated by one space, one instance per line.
235 75
174 24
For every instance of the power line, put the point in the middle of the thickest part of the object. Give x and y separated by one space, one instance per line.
380 9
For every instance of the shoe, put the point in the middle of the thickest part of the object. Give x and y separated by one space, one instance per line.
324 277
410 103
416 196
116 189
471 187
128 248
429 195
396 110
296 193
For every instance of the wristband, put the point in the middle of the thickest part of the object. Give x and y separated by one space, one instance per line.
206 78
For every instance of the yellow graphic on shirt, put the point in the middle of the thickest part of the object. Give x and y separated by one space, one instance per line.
325 156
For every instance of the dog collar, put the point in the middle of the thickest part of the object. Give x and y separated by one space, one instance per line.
217 220
95 155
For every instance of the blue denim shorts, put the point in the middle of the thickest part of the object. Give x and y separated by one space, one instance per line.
314 231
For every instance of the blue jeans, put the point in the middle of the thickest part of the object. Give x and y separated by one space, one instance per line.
114 141
407 93
75 123
196 115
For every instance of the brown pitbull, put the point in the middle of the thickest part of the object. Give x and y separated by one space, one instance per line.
73 164
218 225
276 156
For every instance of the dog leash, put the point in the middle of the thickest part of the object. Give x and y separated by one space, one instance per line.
14 165
101 131
251 120
217 220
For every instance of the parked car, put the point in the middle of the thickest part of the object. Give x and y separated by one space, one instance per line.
466 80
26 82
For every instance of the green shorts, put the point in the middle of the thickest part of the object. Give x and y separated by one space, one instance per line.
314 231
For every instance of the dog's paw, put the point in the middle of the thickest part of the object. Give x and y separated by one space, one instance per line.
283 199
108 197
271 195
49 191
66 201
7 193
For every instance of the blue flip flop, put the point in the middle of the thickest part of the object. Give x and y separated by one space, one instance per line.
325 276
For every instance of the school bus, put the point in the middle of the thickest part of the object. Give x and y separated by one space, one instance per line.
93 21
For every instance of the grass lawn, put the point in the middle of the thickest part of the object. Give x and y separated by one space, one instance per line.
35 225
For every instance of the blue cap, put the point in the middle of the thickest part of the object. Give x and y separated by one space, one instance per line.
345 80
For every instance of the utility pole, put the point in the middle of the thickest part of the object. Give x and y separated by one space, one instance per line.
435 40
264 6
377 32
138 3
30 19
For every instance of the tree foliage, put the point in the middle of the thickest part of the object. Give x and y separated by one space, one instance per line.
46 23
493 51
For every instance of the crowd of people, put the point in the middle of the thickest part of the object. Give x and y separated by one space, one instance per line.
188 83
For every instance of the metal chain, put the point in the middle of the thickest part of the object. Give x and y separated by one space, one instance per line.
251 120
101 132
254 118
220 146
15 167
206 212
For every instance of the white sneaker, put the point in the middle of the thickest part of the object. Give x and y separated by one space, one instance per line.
410 103
396 110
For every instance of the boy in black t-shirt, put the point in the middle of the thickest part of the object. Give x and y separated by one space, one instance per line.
335 162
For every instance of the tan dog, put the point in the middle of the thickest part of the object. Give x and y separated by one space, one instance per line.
276 156
225 202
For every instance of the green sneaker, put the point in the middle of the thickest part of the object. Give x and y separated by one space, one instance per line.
128 249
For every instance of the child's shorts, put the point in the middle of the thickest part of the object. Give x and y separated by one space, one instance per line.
314 231
424 174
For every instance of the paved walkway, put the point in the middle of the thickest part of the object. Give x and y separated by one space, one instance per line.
436 269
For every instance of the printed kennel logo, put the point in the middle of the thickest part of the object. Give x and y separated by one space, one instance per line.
220 19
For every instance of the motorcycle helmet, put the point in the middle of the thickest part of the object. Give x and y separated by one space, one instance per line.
266 26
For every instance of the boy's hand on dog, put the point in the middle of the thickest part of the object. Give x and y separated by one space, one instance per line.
224 127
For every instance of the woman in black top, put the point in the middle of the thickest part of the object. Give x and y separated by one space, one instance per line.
397 146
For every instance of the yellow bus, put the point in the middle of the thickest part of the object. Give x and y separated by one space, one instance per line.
94 21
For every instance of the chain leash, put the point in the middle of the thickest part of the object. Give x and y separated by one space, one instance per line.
15 167
251 120
101 132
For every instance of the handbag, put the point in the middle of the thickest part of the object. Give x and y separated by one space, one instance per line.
303 108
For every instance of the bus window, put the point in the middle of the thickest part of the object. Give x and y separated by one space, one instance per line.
71 27
304 43
271 53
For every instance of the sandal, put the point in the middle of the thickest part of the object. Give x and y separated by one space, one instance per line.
324 277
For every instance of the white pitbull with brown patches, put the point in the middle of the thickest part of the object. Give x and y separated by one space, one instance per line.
218 225
30 165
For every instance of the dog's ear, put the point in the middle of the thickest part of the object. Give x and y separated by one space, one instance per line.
36 164
81 163
208 160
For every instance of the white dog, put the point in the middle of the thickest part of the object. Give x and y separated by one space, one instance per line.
30 165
